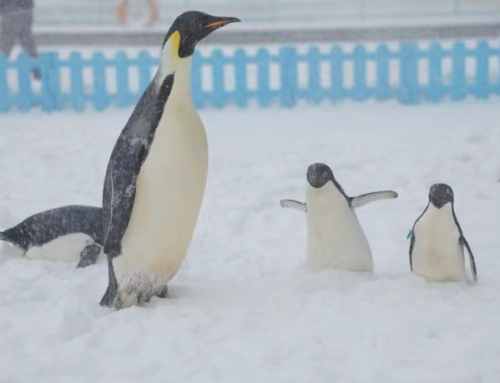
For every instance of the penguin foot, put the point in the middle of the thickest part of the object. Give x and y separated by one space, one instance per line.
109 298
163 293
131 297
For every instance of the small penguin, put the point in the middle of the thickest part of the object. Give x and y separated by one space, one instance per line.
156 176
335 238
50 225
437 241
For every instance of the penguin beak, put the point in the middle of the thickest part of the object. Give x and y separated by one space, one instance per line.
220 22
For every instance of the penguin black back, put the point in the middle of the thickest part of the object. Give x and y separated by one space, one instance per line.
41 228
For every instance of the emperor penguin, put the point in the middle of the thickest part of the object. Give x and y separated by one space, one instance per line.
55 224
335 238
156 175
437 241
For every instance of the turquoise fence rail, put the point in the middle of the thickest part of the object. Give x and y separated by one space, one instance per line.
408 73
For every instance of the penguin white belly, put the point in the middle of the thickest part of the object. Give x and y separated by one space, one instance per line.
335 237
437 254
168 198
63 249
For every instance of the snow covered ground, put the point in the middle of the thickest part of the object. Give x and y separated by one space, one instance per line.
245 307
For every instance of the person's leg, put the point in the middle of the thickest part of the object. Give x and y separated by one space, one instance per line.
8 33
26 37
122 11
153 12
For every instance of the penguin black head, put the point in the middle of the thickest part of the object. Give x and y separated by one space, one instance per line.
440 195
16 237
191 27
319 174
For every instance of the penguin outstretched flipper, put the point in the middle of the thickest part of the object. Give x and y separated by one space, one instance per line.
472 261
293 204
354 202
364 199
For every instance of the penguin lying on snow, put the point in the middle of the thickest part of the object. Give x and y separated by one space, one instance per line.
335 238
156 176
437 241
47 226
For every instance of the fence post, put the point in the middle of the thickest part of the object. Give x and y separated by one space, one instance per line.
196 84
337 73
101 97
482 88
122 86
496 53
360 91
144 63
218 89
46 97
409 93
77 96
240 73
288 76
383 88
264 93
435 85
314 88
458 89
4 86
25 95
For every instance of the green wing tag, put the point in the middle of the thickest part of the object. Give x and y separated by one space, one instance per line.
410 233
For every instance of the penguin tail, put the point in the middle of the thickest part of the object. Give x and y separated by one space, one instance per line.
3 237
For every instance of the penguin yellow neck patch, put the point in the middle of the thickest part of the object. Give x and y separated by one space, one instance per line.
175 39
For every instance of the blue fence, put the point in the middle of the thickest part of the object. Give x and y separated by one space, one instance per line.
409 73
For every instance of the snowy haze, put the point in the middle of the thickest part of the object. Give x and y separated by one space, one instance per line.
245 308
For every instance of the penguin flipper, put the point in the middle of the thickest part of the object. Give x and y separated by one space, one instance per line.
412 243
119 194
88 255
293 204
364 199
473 268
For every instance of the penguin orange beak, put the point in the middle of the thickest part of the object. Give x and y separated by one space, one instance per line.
221 22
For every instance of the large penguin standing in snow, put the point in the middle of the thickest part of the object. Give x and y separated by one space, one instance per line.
437 241
156 176
335 238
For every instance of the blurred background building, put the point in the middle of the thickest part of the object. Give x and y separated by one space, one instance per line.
266 13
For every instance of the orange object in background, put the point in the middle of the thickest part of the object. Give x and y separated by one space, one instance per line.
153 9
